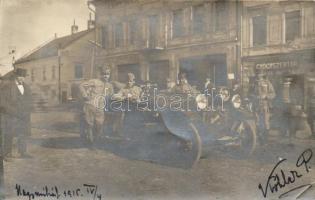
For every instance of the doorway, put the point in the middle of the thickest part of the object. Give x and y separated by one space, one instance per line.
159 72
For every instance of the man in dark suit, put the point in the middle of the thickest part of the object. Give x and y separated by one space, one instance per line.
17 106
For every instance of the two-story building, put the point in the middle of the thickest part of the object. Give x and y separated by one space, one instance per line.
278 39
155 39
56 67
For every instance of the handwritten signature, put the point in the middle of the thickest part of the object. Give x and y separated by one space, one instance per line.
88 190
278 178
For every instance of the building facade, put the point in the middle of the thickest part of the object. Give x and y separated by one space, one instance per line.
278 39
157 39
55 69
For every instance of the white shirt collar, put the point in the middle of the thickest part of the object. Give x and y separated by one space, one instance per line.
20 87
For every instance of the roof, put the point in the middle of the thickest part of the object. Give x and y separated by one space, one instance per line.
7 75
51 48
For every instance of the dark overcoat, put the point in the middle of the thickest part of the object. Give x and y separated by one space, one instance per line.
17 108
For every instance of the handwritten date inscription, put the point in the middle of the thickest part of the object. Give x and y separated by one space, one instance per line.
279 178
88 191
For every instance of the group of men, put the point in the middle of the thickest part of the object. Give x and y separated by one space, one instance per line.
262 95
95 92
16 105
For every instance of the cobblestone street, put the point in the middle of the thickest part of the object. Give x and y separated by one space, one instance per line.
59 159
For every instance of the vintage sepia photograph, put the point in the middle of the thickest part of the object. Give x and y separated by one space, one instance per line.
157 99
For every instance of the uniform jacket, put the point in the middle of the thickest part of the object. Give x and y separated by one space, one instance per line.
184 88
95 90
133 93
265 93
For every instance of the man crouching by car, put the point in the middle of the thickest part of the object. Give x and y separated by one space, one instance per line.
94 92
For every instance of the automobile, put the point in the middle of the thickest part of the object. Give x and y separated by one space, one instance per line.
174 135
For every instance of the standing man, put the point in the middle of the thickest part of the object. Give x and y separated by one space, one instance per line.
183 86
130 91
94 93
209 86
265 93
17 104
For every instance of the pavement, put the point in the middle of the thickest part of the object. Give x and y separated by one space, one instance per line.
62 162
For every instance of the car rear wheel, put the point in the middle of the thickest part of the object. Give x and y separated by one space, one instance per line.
247 137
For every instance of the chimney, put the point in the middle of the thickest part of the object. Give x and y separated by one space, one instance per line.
55 35
91 23
74 28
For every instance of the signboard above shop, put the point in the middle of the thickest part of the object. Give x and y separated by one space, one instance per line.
280 67
283 65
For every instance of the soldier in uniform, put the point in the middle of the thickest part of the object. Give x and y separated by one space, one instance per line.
183 86
17 106
94 92
265 93
130 91
169 84
209 86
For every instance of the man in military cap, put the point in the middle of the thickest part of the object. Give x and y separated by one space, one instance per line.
130 91
183 86
209 86
265 93
17 106
94 92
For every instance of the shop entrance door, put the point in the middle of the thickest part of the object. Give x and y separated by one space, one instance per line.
64 97
297 90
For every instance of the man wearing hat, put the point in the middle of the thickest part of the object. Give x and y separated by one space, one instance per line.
183 86
209 86
94 93
130 91
265 93
17 106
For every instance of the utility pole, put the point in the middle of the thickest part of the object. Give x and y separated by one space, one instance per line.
1 141
59 74
1 160
1 149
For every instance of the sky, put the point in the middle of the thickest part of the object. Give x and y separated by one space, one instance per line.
26 24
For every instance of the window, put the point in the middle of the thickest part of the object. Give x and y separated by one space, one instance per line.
178 23
44 74
32 75
259 30
133 29
119 35
198 19
154 29
104 35
221 8
53 72
78 71
292 25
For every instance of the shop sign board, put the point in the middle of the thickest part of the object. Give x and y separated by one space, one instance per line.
283 65
277 68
